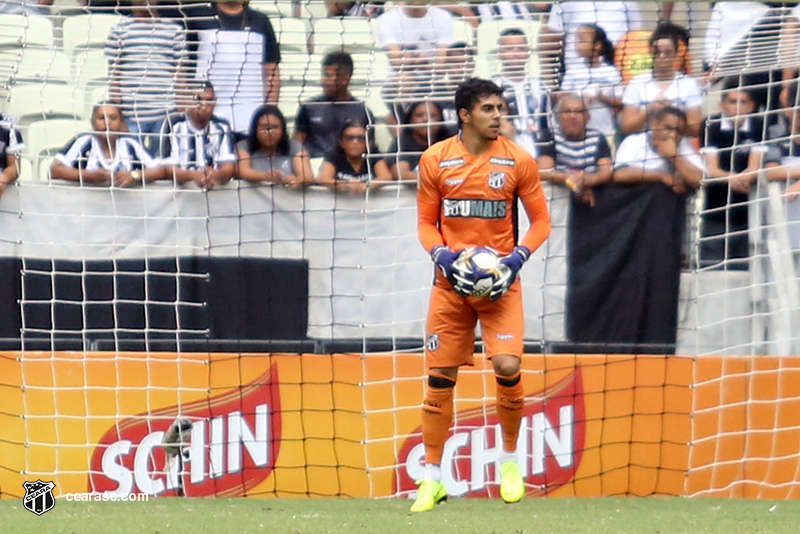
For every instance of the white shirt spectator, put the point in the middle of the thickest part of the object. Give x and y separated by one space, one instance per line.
420 35
185 146
637 151
590 82
729 23
502 10
616 18
683 92
86 153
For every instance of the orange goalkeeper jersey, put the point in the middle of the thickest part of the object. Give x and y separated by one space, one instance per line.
477 195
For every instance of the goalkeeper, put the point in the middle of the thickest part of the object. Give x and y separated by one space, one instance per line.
467 197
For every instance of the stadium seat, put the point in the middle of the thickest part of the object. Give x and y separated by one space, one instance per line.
34 64
44 168
88 65
274 8
313 9
293 95
292 34
28 103
87 31
47 137
316 165
26 30
489 33
463 32
93 94
370 68
371 95
298 67
349 34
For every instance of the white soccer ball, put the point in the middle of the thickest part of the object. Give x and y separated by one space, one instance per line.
483 266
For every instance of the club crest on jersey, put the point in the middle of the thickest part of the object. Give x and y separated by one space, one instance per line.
502 161
432 343
455 162
497 180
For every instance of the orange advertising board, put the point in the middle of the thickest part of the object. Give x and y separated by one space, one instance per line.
324 425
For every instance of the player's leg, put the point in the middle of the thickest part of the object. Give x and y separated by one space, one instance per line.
503 329
450 343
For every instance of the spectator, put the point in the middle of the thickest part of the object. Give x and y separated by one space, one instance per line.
647 93
237 51
732 151
11 145
422 127
624 284
744 35
416 37
616 19
107 155
528 102
267 155
575 155
145 62
354 9
197 146
354 163
596 78
26 7
782 161
320 120
488 12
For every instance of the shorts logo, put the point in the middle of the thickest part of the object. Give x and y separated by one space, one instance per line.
497 180
502 161
505 337
455 162
38 496
432 343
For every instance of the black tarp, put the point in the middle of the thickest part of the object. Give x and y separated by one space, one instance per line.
624 262
163 298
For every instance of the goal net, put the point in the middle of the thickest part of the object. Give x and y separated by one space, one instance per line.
195 307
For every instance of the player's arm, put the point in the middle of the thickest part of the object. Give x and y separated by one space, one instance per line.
429 202
533 201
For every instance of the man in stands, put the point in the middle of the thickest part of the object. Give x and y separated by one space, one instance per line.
320 120
197 146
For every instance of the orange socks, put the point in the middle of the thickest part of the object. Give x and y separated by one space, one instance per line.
510 401
437 416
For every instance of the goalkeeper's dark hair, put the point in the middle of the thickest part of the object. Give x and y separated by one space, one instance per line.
472 90
343 60
252 135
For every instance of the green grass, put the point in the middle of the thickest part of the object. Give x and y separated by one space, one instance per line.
359 516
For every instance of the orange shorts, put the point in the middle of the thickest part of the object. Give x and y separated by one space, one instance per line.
450 339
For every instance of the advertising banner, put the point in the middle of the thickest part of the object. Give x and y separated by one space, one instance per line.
349 424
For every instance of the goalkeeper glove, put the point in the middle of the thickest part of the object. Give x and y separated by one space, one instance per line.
510 266
444 258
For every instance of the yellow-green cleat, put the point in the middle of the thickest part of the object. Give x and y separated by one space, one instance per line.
429 494
512 485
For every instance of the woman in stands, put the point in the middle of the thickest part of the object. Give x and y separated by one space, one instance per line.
267 155
355 162
421 128
596 78
107 155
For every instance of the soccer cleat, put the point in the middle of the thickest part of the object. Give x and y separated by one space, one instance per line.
429 494
512 486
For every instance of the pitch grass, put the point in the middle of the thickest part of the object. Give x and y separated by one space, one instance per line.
359 516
